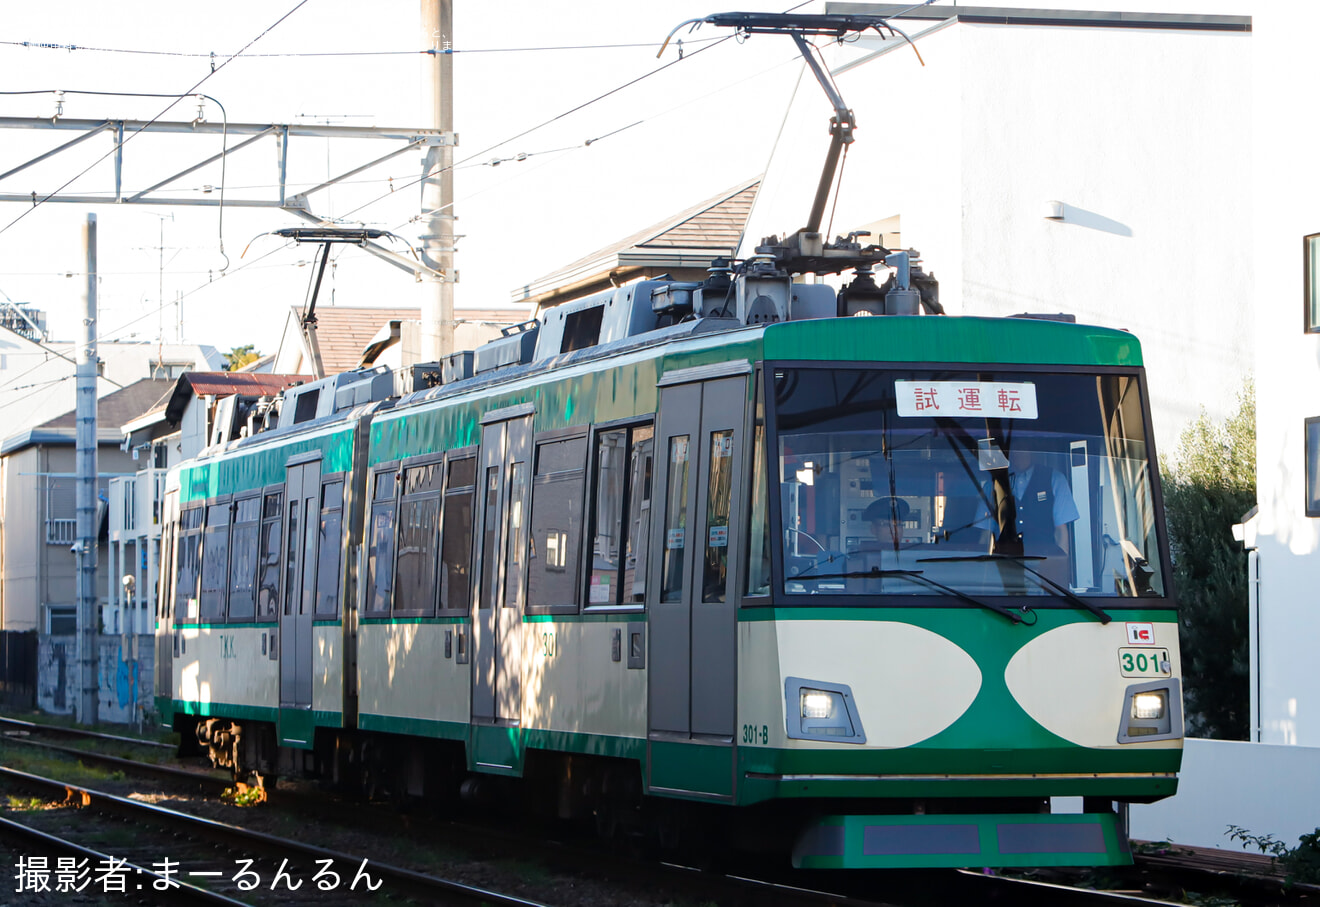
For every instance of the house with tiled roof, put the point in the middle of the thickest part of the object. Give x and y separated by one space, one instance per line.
681 246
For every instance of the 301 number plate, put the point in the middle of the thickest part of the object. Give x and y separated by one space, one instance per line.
1144 662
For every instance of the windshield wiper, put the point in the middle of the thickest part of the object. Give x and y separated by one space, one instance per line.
919 576
1044 581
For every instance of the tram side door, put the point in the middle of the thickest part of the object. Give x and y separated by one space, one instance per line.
497 622
693 645
302 533
165 642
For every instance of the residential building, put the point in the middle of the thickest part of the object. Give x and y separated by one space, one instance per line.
38 581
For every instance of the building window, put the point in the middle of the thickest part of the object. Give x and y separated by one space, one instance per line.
1313 466
1311 291
61 620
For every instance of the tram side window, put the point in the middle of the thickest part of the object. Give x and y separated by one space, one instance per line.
620 513
380 551
190 549
456 538
419 528
557 528
268 587
243 559
215 562
758 537
330 550
163 598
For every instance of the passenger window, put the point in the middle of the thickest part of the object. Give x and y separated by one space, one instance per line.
215 563
676 490
268 589
516 562
189 566
556 526
758 536
243 559
331 549
620 516
380 553
419 536
719 485
456 539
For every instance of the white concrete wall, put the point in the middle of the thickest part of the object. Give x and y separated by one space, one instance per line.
1287 196
1137 132
1268 790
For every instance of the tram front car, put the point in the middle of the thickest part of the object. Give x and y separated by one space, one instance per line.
965 614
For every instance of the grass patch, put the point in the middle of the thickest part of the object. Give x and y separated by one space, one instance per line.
56 765
16 804
243 795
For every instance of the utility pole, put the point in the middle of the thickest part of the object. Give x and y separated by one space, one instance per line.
85 549
438 183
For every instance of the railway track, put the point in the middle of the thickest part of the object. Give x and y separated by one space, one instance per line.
285 870
1169 875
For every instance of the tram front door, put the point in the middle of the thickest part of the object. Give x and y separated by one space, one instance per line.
302 496
502 581
693 645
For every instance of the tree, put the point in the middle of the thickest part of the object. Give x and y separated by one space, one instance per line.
240 356
1210 485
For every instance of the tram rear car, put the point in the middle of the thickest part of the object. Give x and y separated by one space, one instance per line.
650 572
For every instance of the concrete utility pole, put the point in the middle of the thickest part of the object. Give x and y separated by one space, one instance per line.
85 549
438 183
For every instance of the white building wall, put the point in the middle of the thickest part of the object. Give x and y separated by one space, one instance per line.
1226 782
1133 130
1285 139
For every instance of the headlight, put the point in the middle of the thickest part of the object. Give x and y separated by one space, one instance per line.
818 704
818 710
1151 711
1148 705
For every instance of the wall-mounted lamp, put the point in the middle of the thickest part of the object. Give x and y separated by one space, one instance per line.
1053 210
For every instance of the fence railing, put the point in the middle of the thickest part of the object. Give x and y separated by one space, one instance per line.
61 532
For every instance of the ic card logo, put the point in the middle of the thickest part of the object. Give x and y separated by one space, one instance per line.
1141 634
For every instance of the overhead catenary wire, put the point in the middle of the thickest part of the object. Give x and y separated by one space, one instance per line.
191 92
469 161
543 124
425 51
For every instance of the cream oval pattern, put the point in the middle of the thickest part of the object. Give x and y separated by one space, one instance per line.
908 683
1081 659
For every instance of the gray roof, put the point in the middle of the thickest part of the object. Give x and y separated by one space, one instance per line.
690 238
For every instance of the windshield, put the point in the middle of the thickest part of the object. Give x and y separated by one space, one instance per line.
992 483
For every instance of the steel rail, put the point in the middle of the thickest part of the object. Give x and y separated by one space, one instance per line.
58 731
180 891
402 880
